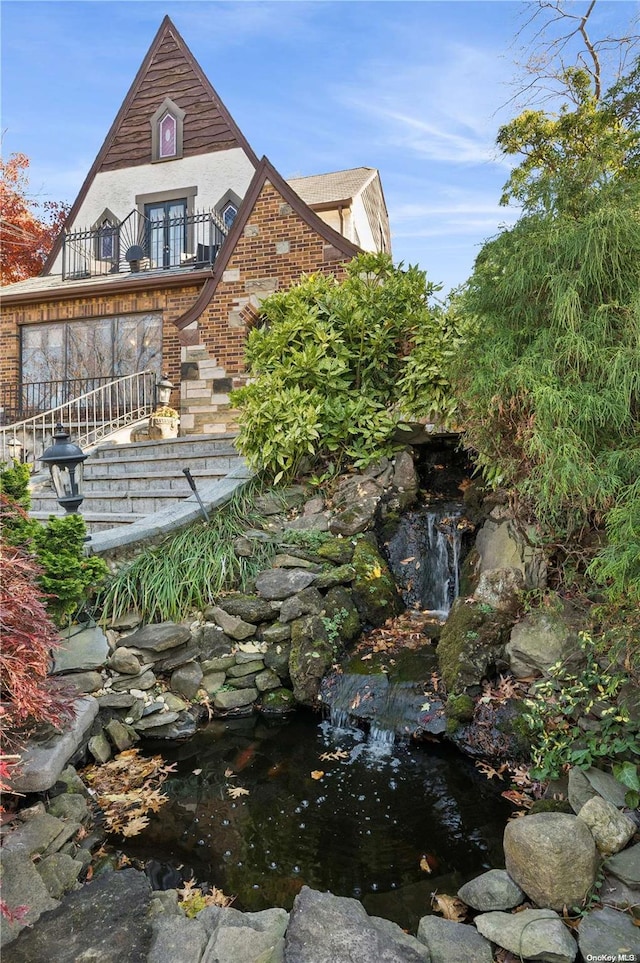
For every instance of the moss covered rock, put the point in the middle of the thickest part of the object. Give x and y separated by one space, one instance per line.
337 550
341 613
472 644
311 655
460 707
374 591
278 702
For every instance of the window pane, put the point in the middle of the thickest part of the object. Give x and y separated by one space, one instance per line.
42 352
138 344
167 139
89 350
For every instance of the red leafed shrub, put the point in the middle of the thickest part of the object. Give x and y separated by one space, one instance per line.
28 636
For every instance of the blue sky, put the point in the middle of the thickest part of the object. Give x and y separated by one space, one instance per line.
416 89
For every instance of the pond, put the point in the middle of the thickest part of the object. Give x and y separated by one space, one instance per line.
324 806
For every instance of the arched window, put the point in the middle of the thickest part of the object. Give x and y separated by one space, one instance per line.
166 131
106 237
227 208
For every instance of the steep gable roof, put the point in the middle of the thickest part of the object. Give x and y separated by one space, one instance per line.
336 187
169 69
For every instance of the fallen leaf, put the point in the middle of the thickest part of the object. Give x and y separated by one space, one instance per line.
425 707
365 658
451 907
336 754
405 561
317 774
229 774
424 865
488 770
135 826
196 772
236 791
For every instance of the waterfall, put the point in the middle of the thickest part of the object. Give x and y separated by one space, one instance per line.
424 556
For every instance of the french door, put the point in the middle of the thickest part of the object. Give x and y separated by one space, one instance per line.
167 232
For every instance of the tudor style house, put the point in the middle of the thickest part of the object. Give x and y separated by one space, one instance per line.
178 232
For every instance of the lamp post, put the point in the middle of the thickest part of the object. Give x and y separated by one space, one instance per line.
163 391
65 462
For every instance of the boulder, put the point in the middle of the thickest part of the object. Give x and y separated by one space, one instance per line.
404 480
245 668
120 735
625 866
607 934
494 890
449 941
236 628
249 608
155 721
227 699
610 828
309 523
42 762
212 682
500 545
278 702
267 680
579 789
540 639
552 857
59 873
340 610
311 655
280 583
277 658
375 593
501 588
340 575
158 636
187 679
125 660
275 634
472 643
606 786
324 929
354 505
100 748
84 682
337 550
176 939
122 683
105 920
22 886
81 648
307 602
530 935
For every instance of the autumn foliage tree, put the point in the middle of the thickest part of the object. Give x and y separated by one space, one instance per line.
29 227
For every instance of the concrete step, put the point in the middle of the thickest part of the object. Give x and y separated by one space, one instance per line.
118 502
149 481
199 464
177 448
95 521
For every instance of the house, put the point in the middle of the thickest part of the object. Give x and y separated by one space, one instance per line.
178 232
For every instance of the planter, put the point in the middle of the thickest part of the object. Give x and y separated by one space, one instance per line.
161 427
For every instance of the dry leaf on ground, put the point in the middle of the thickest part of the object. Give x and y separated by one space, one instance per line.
451 907
236 791
317 774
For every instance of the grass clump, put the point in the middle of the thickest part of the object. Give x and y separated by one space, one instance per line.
187 571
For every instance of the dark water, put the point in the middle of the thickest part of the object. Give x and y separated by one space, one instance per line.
360 830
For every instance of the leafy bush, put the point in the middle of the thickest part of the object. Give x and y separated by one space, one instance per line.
14 484
564 700
28 636
329 371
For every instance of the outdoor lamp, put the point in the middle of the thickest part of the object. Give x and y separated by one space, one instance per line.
163 391
65 462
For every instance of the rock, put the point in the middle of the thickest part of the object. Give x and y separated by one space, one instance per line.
249 608
182 728
219 664
276 633
84 682
541 638
606 786
158 637
307 602
610 828
449 941
116 700
155 721
70 782
340 610
294 561
625 866
501 589
212 682
174 702
276 502
309 523
374 592
173 658
579 789
228 699
337 550
243 944
187 679
494 890
313 506
245 668
146 680
280 583
530 934
267 680
99 748
69 806
176 939
278 702
277 658
607 934
42 763
499 545
121 735
213 642
22 885
311 655
404 481
617 894
35 836
59 873
354 505
242 547
325 929
231 625
629 701
340 575
104 921
130 620
471 645
81 649
125 660
243 682
552 857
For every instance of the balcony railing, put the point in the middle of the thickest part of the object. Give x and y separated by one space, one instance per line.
139 243
18 402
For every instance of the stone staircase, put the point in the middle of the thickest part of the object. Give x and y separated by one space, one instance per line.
124 484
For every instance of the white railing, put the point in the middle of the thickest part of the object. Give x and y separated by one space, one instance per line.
89 418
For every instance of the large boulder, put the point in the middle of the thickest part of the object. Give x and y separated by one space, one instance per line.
277 584
472 643
311 655
493 890
449 941
625 866
552 857
541 638
157 637
374 591
81 648
607 934
324 929
500 544
610 828
530 935
354 505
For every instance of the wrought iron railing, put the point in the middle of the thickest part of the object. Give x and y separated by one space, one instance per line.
90 418
18 402
140 243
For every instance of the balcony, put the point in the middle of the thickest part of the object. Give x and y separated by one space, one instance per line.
142 243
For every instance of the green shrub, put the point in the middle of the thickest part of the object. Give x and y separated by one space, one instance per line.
14 484
69 577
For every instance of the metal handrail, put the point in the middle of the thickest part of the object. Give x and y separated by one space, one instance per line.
90 417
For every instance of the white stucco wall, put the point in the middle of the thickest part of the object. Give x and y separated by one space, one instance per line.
361 223
213 175
354 219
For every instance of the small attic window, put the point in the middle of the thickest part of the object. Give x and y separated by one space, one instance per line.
227 208
229 214
166 131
